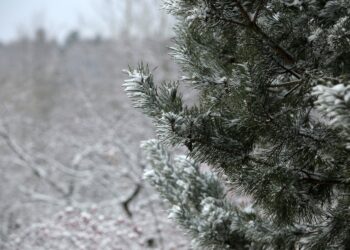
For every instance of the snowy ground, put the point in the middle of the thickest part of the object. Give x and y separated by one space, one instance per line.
71 168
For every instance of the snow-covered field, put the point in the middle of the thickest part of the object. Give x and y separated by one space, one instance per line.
71 167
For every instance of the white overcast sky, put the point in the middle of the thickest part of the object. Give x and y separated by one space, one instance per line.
58 16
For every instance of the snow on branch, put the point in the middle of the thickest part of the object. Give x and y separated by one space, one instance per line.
334 103
197 199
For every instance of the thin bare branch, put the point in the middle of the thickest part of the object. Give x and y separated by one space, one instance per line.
132 196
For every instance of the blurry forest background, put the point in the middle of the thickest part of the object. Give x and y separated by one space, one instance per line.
71 167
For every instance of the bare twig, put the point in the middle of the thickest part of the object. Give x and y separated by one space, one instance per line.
132 196
29 162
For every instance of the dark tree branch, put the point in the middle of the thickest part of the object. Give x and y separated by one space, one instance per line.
285 55
132 196
261 6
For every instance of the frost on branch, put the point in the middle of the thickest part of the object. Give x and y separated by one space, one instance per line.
197 200
257 120
293 3
334 103
140 88
339 35
199 204
153 100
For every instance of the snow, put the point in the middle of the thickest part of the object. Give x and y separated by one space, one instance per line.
333 103
77 143
197 13
181 184
249 209
221 80
291 3
315 34
149 173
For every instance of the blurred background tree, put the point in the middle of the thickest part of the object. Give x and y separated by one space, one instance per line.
69 138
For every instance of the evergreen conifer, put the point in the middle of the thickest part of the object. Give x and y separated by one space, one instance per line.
272 121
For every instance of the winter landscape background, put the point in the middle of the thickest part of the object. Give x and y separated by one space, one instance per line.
71 167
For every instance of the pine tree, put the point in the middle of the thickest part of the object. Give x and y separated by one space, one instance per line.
272 121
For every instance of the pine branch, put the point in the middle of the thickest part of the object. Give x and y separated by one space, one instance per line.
280 141
285 55
262 4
